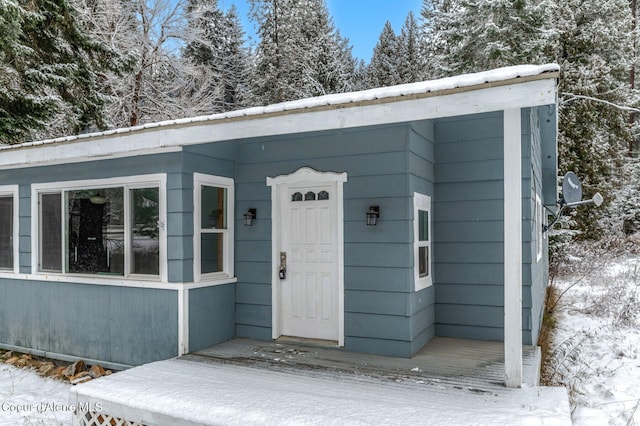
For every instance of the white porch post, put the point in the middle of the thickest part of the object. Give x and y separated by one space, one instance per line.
183 321
512 248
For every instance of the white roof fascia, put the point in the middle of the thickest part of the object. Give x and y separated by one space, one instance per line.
284 119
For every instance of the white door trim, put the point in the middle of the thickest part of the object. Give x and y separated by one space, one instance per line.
304 174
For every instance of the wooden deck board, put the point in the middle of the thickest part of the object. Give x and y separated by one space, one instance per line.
451 362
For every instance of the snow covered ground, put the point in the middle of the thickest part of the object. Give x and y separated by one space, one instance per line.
28 399
597 357
597 342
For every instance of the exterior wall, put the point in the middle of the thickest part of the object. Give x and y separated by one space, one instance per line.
539 267
213 159
457 161
381 312
211 316
116 324
469 227
121 325
422 180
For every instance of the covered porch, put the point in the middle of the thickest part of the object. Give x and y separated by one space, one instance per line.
458 363
450 381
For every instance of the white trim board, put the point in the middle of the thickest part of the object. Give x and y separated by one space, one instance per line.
14 192
171 137
512 248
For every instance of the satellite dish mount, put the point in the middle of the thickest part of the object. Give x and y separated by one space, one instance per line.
572 197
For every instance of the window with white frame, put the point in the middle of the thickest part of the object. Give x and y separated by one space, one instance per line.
8 228
213 227
109 227
422 241
538 223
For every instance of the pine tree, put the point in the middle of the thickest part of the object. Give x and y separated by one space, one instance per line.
328 64
383 69
218 59
300 53
476 35
238 66
49 71
595 56
410 64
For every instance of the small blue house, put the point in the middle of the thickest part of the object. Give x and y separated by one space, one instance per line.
376 220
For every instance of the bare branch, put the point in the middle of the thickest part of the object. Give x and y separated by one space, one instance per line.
574 97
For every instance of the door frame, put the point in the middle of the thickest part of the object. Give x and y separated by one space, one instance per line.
280 185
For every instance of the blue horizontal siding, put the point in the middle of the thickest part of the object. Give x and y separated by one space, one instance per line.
211 316
378 260
120 325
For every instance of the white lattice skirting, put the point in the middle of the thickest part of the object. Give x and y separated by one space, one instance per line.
95 418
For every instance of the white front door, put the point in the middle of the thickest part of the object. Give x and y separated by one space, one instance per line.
307 214
309 291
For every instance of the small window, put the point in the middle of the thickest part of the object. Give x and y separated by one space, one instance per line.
310 196
213 237
537 217
422 241
296 196
8 230
323 195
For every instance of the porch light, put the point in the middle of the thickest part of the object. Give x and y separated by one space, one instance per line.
249 216
372 215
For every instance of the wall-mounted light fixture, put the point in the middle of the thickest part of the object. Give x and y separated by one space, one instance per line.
372 215
249 217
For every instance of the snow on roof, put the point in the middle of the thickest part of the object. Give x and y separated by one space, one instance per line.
467 81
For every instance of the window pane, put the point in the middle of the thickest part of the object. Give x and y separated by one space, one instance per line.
211 255
213 214
96 231
423 261
423 222
51 232
6 232
145 243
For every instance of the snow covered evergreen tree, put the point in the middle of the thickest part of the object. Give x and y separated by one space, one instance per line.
383 69
410 64
474 35
595 55
300 54
218 61
329 64
397 59
49 71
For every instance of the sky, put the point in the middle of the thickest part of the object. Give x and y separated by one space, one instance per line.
361 21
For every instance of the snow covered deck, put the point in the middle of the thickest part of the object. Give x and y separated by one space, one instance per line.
250 382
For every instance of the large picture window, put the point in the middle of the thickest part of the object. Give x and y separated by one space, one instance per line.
8 229
422 241
105 228
213 222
